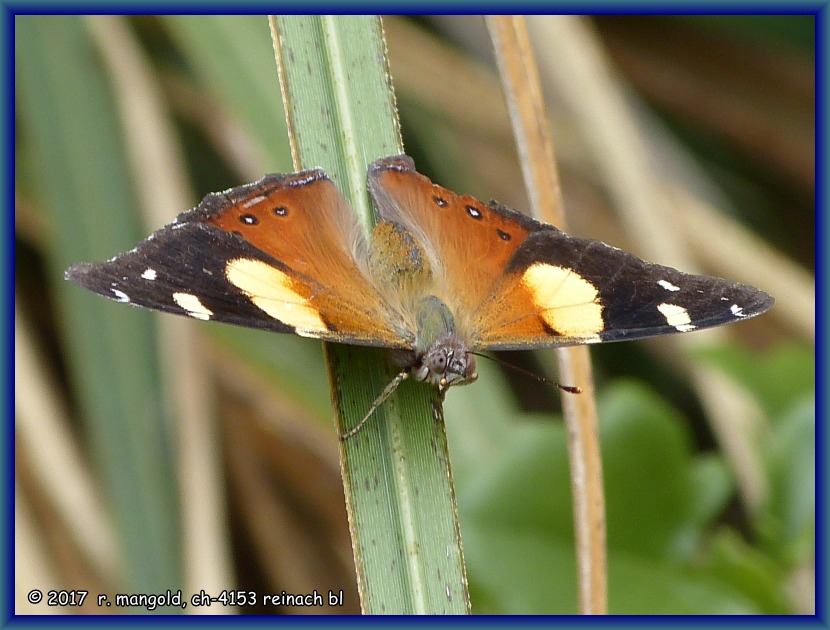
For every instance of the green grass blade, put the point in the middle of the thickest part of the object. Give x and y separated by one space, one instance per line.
228 53
399 490
69 121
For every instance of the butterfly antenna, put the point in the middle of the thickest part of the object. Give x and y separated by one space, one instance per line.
571 389
386 393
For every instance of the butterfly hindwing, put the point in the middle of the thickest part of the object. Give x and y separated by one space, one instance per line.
468 243
277 254
561 290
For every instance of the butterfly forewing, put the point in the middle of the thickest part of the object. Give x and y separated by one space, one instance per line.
169 272
276 254
560 290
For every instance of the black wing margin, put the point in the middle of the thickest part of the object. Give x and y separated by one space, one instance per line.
643 299
181 270
560 290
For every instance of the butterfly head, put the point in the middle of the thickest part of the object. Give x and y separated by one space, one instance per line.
447 362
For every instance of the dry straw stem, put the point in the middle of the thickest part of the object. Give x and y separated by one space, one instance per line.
577 66
527 112
59 476
162 184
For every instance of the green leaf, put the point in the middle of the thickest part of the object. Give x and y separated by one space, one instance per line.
641 439
646 460
661 502
713 487
784 383
789 520
519 572
777 378
396 469
749 571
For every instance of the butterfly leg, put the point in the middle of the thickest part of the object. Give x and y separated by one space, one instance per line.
386 393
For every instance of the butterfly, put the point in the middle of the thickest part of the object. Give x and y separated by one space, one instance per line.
442 276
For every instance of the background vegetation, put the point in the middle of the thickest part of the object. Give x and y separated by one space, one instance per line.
155 454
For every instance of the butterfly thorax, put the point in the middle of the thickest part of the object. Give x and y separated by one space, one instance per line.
400 268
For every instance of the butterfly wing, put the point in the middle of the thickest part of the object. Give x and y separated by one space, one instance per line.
514 282
559 290
280 254
468 243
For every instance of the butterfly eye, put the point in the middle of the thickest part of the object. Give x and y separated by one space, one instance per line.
439 361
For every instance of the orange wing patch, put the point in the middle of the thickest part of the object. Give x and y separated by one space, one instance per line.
468 243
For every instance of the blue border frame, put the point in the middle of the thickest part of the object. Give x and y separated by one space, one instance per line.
821 239
185 7
10 10
7 439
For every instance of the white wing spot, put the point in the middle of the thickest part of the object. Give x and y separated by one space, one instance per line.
253 201
193 306
737 311
149 274
120 296
302 181
676 316
668 286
